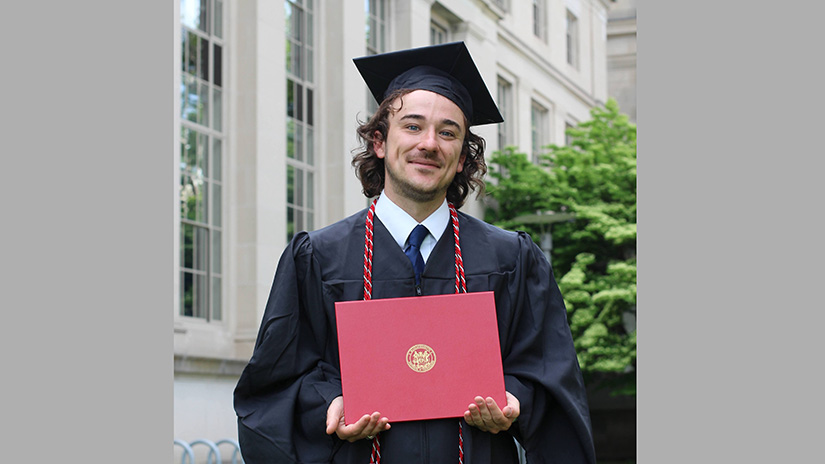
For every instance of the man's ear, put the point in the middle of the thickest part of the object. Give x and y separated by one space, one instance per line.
378 144
460 166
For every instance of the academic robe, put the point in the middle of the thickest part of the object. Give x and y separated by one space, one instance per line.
283 393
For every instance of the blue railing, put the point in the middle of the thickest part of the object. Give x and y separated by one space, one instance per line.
214 450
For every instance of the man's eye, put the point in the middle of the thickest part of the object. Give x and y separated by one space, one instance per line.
447 134
413 127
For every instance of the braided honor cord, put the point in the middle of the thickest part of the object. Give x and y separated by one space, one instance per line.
460 286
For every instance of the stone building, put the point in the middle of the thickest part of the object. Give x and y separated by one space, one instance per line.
267 100
621 55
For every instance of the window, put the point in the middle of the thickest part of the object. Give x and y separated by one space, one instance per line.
300 121
505 97
376 35
201 158
503 4
567 138
540 19
438 34
572 40
539 117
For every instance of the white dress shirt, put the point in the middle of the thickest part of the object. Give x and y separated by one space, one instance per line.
400 224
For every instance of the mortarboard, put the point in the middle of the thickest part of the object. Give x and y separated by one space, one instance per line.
446 69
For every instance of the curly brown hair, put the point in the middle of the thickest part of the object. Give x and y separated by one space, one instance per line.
369 168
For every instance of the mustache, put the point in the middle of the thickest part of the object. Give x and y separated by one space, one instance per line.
424 156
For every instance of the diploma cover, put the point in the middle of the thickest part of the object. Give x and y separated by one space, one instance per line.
417 358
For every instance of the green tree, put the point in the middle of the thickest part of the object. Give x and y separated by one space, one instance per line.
594 179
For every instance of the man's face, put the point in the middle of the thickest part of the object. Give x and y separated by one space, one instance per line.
422 152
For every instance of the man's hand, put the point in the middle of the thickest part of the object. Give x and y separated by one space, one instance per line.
367 426
486 415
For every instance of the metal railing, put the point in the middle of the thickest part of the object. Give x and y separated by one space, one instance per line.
214 450
214 455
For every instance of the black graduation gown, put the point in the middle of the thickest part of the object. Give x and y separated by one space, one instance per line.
283 393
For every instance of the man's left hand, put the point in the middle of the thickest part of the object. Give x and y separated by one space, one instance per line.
486 415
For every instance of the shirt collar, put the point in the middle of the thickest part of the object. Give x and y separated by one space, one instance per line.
400 224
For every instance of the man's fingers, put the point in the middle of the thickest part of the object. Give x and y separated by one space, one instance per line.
374 428
486 415
335 414
367 426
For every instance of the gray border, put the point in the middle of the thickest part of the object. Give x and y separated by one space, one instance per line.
87 231
730 206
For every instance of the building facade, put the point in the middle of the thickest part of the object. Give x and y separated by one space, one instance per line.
267 102
621 55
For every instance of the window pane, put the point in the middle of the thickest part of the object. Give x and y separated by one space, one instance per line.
299 102
310 31
184 48
217 162
193 44
373 33
183 98
201 292
216 205
216 252
297 30
309 107
201 249
289 56
290 222
290 99
299 187
190 111
203 22
310 147
188 150
218 77
299 220
202 155
203 70
203 105
188 200
310 71
195 191
218 14
299 141
290 185
187 245
310 190
186 294
297 56
216 298
310 221
217 121
193 14
290 138
288 19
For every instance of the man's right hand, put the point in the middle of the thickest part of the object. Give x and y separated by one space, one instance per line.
365 428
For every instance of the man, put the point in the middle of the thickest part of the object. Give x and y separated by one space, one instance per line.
422 160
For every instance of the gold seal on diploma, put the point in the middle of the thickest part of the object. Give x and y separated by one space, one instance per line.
421 358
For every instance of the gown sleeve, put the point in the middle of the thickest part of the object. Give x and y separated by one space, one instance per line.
541 368
282 396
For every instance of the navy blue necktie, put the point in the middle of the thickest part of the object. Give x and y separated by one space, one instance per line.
413 250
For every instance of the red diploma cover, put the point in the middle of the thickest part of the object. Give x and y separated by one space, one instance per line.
419 358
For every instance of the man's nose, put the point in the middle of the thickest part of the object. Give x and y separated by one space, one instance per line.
428 141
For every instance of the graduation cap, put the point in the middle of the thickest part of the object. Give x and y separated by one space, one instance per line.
446 69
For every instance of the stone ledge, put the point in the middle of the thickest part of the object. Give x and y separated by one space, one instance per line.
208 366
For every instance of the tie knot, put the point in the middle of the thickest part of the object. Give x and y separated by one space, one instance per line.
417 236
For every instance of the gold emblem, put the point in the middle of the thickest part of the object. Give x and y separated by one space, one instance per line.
421 358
